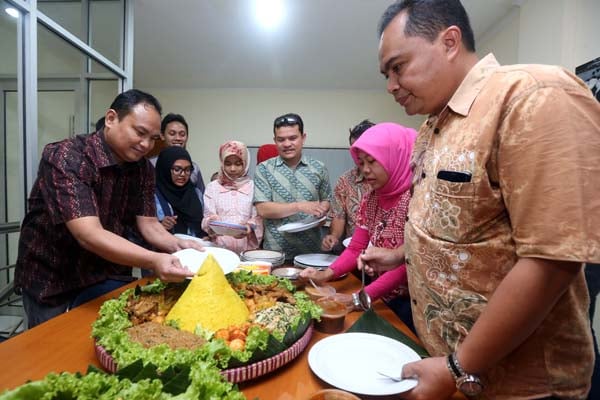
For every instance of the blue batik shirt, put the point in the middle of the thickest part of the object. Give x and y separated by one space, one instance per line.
274 181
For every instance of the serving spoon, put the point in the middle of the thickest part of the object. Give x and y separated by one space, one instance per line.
364 299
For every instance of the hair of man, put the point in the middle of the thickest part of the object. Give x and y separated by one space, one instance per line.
427 18
172 117
126 101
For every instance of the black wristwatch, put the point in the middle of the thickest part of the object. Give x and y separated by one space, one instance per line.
468 384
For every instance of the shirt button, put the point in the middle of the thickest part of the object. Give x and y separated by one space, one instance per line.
407 260
407 217
414 302
423 175
436 130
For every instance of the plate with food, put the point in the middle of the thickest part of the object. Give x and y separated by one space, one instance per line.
193 259
245 324
335 359
302 225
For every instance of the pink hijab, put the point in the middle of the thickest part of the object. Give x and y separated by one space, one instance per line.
233 147
391 145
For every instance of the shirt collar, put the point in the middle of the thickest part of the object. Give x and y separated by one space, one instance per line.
358 176
471 86
246 188
279 161
106 157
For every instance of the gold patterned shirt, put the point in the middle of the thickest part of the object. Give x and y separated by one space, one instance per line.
508 169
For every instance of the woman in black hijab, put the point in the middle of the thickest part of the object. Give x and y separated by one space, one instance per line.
178 201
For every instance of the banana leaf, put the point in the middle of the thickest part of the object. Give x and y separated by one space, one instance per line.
274 346
371 322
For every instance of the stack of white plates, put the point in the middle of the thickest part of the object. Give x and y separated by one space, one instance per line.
276 258
316 260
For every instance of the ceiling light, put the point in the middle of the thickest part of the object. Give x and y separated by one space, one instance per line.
269 13
12 12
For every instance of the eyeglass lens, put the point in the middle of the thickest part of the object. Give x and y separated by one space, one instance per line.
179 170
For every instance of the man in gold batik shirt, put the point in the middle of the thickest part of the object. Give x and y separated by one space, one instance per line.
505 209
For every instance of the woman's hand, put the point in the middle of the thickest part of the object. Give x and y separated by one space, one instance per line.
246 233
380 259
316 275
169 222
329 242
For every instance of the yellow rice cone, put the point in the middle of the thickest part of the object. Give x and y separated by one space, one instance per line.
208 301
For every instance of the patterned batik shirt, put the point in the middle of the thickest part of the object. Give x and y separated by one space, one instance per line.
347 195
275 181
509 169
77 178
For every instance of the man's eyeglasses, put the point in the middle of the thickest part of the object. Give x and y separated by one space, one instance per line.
286 121
182 171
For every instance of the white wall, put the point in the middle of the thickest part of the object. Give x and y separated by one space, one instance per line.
217 115
502 39
561 32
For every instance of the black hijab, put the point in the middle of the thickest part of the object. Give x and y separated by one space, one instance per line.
184 200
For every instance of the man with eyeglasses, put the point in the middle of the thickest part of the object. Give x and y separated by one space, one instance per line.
290 188
89 191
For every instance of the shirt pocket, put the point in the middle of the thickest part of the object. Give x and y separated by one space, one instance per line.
450 210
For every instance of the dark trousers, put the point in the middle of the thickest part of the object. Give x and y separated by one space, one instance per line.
39 312
592 277
401 307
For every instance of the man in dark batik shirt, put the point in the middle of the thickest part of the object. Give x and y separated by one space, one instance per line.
89 191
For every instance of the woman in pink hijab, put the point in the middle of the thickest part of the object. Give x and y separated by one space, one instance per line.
229 199
383 154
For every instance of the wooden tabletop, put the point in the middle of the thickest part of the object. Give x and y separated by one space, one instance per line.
64 343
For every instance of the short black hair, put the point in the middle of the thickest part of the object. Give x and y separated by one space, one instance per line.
427 18
289 119
359 129
100 123
124 102
171 117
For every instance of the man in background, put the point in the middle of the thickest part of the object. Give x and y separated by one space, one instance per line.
290 188
503 214
89 190
174 131
347 195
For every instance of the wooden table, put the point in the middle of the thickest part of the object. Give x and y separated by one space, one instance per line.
64 343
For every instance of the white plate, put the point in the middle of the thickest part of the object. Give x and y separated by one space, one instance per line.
263 254
204 243
302 225
315 259
346 242
193 259
350 361
227 229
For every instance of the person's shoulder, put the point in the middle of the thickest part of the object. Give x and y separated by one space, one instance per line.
213 186
70 148
313 162
530 77
267 166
